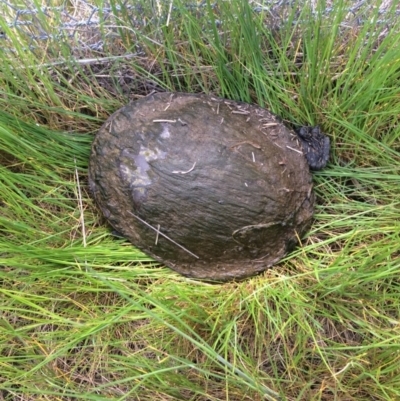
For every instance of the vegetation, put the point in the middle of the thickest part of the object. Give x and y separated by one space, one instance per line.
86 316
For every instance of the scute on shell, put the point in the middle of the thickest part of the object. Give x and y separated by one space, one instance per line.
213 188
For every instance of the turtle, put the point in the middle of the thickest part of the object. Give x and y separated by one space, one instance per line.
215 189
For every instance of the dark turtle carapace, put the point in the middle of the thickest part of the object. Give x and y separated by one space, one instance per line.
213 188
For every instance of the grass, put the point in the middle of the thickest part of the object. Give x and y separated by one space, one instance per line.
86 316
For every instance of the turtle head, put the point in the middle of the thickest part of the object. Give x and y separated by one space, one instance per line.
315 145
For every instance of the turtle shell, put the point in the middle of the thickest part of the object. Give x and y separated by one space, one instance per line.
213 188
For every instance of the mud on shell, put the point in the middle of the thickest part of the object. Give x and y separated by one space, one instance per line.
215 189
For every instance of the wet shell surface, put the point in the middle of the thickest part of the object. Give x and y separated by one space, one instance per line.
213 188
